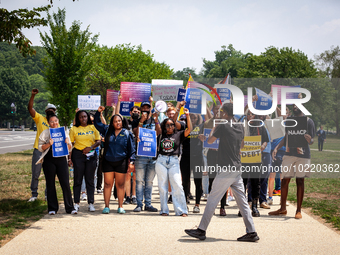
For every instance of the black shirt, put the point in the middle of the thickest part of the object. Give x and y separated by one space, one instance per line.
192 146
230 144
301 152
149 123
169 145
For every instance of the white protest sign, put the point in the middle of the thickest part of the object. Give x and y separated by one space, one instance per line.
89 102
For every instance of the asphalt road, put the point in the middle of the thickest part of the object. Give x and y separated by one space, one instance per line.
14 141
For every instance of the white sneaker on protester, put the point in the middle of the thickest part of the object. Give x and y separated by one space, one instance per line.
227 202
76 207
51 212
83 196
270 201
74 211
231 198
91 208
32 199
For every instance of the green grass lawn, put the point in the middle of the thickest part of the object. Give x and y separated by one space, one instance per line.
15 179
322 194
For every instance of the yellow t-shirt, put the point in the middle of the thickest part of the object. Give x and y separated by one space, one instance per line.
42 124
84 136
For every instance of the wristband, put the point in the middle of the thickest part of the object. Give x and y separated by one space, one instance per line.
157 123
140 123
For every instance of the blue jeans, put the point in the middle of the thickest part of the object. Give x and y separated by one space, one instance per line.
167 169
277 165
145 173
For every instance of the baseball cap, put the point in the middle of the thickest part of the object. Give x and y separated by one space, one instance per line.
145 103
50 106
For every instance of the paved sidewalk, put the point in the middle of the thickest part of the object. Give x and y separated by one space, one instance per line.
149 233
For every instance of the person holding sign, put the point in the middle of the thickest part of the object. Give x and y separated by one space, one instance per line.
167 166
252 159
231 141
119 156
295 163
145 166
192 158
85 138
53 166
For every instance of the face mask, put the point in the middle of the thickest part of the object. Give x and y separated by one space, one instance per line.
135 116
148 112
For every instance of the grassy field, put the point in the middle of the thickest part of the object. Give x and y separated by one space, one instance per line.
15 178
322 195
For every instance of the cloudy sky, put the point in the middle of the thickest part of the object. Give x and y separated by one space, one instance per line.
182 33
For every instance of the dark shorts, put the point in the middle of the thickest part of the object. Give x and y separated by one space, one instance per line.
117 167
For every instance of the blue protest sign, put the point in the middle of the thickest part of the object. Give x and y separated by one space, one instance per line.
224 94
194 101
59 147
181 95
214 145
125 108
264 101
147 147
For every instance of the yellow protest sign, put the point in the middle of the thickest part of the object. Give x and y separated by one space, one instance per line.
251 152
137 103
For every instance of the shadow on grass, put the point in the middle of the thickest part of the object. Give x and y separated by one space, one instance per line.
19 214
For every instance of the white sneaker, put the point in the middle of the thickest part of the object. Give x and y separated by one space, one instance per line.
74 211
227 203
231 198
196 209
76 207
91 208
51 212
32 199
83 196
270 201
99 191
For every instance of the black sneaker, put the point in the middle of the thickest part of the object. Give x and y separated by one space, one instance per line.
197 233
249 237
170 199
127 201
150 209
134 200
190 196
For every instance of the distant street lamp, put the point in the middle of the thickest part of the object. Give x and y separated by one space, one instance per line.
13 110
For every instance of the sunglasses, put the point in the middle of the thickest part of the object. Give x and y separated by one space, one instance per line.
169 125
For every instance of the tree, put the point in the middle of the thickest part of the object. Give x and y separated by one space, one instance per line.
12 23
14 87
228 60
123 63
278 63
184 74
42 98
67 64
328 63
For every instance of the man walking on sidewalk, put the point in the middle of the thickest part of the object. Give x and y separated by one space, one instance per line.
229 175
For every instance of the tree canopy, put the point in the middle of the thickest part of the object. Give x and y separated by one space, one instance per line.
67 64
13 22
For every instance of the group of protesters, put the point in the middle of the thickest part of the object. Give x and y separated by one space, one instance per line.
97 148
